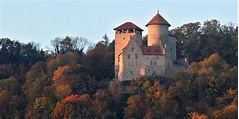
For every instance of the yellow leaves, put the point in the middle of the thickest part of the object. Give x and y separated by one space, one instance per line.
40 103
214 64
59 72
62 91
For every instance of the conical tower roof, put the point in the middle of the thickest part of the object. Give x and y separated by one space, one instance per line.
158 20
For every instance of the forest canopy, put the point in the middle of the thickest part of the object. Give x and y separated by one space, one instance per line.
74 82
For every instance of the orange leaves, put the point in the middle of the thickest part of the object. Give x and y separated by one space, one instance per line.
59 71
76 98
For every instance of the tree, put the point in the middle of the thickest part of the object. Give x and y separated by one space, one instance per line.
196 41
56 44
136 107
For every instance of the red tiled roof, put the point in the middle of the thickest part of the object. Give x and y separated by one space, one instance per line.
152 50
128 25
158 20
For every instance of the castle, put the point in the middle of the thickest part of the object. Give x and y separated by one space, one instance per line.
158 57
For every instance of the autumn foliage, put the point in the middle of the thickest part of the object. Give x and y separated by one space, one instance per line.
72 82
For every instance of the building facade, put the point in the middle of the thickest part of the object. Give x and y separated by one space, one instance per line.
158 57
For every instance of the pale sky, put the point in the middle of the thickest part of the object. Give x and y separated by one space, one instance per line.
41 21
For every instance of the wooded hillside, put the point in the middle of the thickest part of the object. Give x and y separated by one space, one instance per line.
71 83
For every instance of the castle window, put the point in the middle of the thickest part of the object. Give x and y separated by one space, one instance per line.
118 32
124 31
128 56
130 30
123 38
157 57
171 49
118 59
136 56
131 72
136 63
151 62
155 63
132 48
148 69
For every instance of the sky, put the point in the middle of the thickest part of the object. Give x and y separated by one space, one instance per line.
41 21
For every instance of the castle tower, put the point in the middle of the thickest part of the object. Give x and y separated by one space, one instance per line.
157 30
123 34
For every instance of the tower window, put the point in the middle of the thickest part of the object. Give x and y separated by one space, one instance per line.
118 32
132 48
151 62
131 31
131 72
171 49
136 56
124 31
128 56
118 59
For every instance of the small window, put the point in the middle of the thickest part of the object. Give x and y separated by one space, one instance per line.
136 63
124 31
157 57
136 56
131 72
130 30
171 49
155 63
123 38
151 62
128 56
132 49
118 59
132 63
118 32
148 69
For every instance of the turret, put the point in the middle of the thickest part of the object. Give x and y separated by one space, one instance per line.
157 30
